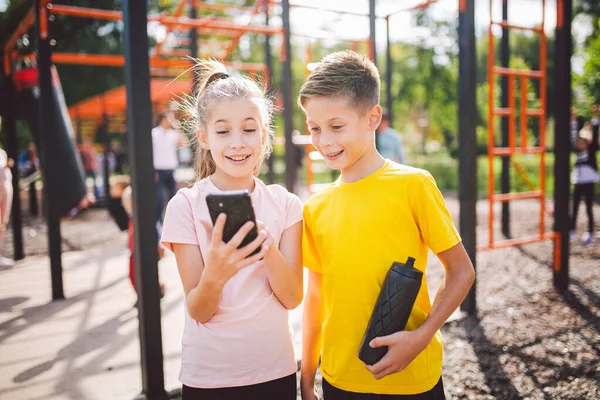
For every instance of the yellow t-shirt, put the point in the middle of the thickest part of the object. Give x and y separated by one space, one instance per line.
352 234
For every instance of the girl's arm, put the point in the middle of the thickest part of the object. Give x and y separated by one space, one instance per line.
404 346
312 319
284 267
203 284
202 295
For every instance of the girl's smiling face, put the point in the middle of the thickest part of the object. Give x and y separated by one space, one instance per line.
235 135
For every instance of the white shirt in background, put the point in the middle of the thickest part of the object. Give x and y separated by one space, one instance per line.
164 148
5 173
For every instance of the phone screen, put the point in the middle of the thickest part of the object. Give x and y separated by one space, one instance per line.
238 208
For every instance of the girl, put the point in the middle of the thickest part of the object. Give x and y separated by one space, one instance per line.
237 343
583 177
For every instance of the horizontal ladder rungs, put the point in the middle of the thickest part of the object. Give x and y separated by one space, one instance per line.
518 241
507 151
505 24
507 112
504 112
517 72
504 197
535 112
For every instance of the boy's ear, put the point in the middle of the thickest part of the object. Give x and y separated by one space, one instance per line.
202 139
374 115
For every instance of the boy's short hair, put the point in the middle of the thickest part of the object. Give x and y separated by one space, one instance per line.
343 74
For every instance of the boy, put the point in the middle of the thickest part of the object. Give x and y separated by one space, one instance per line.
376 213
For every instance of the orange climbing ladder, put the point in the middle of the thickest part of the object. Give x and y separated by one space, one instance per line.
521 146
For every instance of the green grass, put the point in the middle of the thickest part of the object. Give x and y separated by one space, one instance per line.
445 171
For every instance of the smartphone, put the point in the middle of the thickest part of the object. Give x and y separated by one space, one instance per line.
237 205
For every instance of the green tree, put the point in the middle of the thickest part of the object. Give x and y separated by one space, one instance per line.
589 81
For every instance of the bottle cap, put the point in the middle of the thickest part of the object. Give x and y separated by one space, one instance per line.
407 269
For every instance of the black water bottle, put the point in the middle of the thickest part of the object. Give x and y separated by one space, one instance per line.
392 310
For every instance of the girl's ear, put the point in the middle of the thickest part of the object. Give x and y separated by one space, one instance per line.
374 115
202 139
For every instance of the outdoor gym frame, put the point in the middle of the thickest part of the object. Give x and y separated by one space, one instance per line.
137 65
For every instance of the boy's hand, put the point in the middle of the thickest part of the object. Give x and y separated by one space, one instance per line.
308 392
403 347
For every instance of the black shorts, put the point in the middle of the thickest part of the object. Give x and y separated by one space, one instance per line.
333 393
280 389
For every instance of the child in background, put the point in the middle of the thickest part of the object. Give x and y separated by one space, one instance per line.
121 190
6 198
584 177
237 342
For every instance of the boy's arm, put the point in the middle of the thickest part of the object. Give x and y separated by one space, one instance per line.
312 319
404 346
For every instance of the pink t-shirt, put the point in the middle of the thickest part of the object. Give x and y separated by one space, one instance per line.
249 339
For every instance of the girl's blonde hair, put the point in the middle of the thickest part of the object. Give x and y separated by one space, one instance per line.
216 85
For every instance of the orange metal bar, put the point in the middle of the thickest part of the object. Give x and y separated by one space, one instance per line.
536 113
542 131
491 141
248 28
85 12
209 21
560 19
111 60
518 241
44 23
507 151
234 41
512 105
22 29
517 72
503 112
181 22
505 197
505 24
523 113
176 13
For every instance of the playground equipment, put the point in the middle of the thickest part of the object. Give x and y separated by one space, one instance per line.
511 112
60 153
164 63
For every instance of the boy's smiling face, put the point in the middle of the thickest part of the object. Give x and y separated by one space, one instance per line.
340 132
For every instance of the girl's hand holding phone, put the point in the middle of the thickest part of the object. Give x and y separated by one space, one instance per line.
224 259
